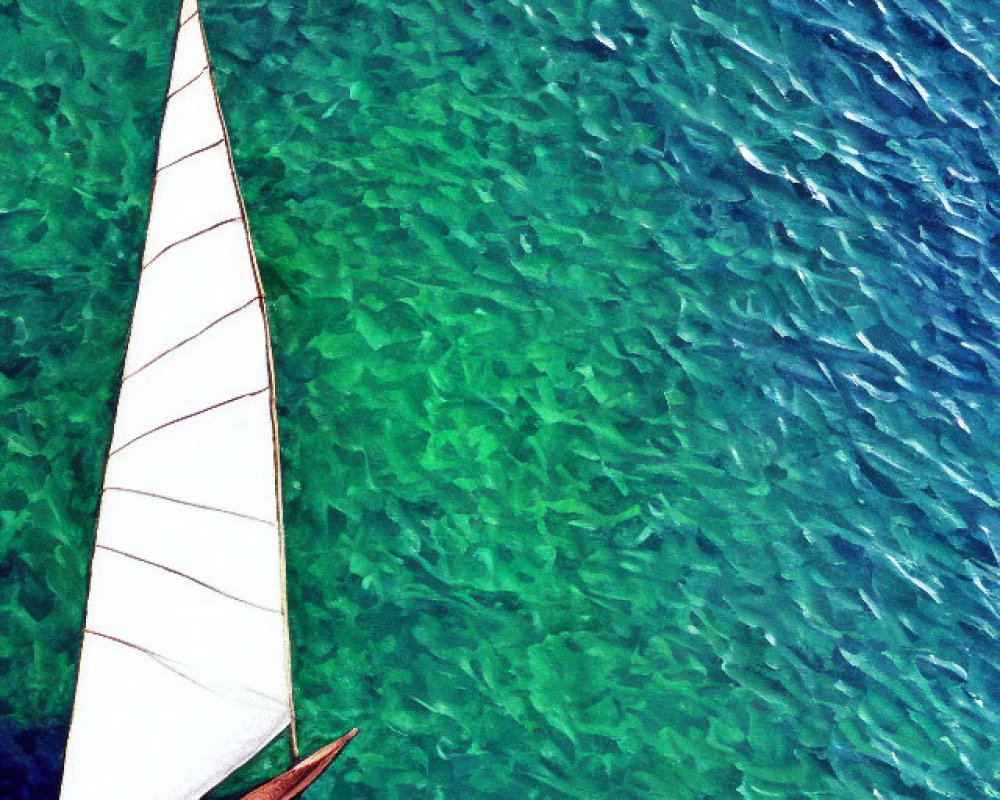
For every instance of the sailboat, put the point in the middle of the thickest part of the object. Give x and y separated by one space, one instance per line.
185 668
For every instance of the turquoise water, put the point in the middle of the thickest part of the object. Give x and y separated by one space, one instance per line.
637 377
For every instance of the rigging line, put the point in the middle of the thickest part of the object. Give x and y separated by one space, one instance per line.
189 155
168 664
279 511
192 337
191 578
187 83
186 417
178 501
194 235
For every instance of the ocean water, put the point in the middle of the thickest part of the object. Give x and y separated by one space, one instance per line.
638 381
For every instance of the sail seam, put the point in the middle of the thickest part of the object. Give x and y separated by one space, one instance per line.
194 235
186 417
164 662
188 503
189 17
200 150
192 337
187 83
191 578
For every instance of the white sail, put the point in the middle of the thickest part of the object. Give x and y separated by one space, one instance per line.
184 671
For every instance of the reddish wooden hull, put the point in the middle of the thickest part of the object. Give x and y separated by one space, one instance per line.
290 784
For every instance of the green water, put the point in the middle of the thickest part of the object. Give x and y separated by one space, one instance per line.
590 488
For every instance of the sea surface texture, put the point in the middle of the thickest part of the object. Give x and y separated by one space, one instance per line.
638 379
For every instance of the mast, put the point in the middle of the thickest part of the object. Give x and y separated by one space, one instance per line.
185 670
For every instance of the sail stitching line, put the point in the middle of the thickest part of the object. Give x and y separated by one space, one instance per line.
180 89
188 503
168 663
194 235
189 17
211 146
191 578
186 417
192 337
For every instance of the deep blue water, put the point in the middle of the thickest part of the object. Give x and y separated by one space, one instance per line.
30 761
